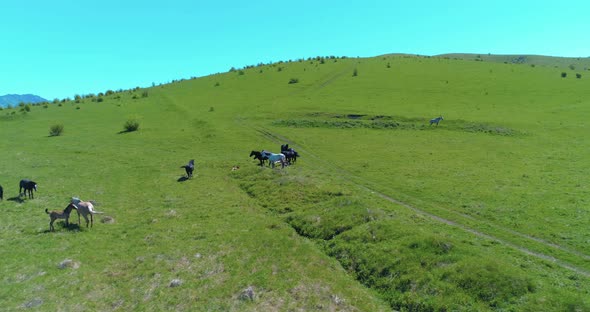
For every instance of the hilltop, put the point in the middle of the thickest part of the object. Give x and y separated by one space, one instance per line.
485 211
15 99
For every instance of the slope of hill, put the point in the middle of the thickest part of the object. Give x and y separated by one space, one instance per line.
15 99
486 211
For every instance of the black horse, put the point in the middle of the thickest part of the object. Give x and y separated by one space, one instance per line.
189 168
289 153
258 155
27 185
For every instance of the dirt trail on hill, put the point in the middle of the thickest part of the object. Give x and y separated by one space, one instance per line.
582 271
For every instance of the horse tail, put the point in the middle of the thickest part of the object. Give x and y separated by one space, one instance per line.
46 211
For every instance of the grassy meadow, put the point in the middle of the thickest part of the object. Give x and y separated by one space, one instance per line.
485 212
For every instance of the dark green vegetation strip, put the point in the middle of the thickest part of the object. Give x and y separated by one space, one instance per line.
351 121
415 262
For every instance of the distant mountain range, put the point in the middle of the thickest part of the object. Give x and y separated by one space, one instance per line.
15 99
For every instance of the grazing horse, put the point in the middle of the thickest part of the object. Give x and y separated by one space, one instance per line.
436 120
273 158
258 155
189 168
27 185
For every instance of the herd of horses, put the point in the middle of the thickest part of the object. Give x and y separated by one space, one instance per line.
287 156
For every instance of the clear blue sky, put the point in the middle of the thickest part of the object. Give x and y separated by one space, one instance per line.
60 48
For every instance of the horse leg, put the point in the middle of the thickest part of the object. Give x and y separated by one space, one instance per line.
91 220
85 218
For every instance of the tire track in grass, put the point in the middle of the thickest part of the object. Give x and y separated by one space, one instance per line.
564 264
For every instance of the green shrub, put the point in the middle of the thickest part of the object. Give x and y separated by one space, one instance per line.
56 130
578 76
144 94
563 74
293 80
355 73
131 125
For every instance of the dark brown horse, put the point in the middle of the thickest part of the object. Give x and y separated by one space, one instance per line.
189 168
27 185
289 153
258 155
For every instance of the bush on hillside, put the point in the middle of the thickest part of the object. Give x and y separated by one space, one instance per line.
131 125
355 73
56 130
293 80
563 74
578 76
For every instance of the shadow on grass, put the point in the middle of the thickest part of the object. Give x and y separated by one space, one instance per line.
17 199
62 225
182 179
125 131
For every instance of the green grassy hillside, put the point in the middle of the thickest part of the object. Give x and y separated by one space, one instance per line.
486 211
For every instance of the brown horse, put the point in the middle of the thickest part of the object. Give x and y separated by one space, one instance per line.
56 214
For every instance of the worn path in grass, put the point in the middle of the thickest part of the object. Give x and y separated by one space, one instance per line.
278 138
